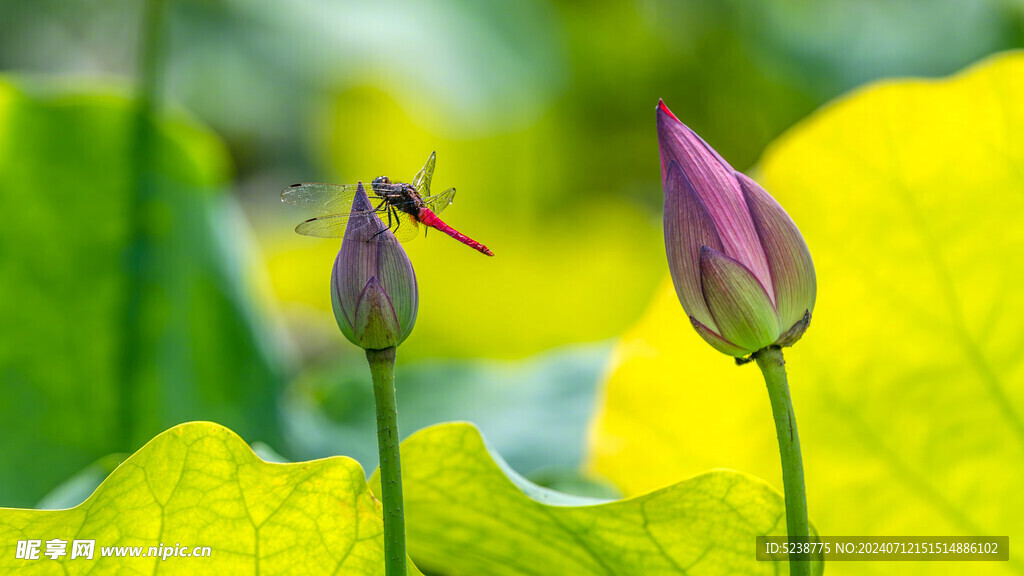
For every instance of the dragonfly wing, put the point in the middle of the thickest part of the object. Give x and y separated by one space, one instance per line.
403 226
332 226
406 228
333 198
421 181
329 198
439 202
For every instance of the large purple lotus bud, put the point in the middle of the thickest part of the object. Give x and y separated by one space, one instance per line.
373 286
739 264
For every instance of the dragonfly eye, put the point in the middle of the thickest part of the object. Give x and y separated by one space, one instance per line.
382 180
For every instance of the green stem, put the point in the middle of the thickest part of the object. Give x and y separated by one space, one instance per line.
382 367
150 66
151 50
773 366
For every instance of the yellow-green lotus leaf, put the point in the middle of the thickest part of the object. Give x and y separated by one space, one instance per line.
469 514
199 484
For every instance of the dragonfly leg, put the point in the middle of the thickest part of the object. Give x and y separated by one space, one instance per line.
383 228
397 218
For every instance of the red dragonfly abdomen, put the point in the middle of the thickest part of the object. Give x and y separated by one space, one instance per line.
430 219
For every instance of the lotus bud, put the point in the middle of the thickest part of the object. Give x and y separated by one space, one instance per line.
740 267
373 285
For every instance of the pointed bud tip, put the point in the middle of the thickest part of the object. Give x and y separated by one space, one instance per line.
363 207
663 108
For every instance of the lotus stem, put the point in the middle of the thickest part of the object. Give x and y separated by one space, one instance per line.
382 367
773 366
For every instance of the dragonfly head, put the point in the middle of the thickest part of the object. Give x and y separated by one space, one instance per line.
381 180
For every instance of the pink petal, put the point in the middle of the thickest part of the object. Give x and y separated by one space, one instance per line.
713 180
357 258
789 261
688 228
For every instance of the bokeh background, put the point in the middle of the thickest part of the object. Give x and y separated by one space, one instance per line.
150 275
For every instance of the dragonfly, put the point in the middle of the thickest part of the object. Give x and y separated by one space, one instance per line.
405 206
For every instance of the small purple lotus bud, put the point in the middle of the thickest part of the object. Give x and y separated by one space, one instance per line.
373 285
741 269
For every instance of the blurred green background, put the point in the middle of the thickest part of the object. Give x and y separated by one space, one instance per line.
142 289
